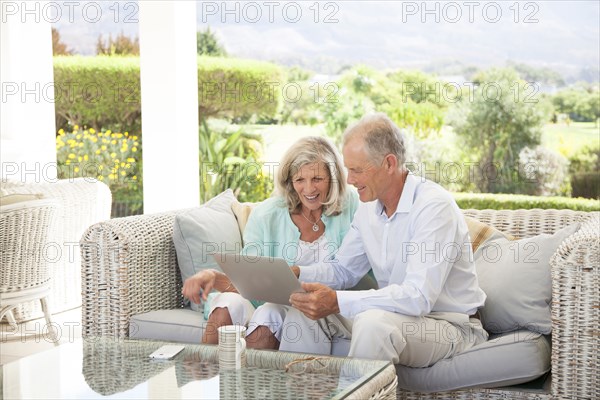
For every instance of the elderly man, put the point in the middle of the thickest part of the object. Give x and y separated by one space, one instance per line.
413 235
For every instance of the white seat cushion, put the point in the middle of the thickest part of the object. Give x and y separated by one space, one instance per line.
504 360
180 325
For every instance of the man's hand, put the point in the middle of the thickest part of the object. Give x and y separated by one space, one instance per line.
202 282
319 301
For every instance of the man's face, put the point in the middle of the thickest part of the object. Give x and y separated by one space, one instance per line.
368 178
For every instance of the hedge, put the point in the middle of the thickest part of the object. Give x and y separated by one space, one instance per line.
104 92
482 201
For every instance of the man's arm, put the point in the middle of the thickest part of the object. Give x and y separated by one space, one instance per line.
348 266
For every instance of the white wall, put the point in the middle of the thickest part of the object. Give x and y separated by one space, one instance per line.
27 125
169 85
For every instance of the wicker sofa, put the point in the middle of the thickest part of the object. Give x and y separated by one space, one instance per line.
129 267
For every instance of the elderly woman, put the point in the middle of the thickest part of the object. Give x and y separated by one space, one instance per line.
304 224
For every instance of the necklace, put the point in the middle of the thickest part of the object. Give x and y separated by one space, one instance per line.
315 226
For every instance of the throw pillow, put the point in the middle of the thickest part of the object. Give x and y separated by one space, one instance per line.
200 232
242 213
515 275
13 198
481 233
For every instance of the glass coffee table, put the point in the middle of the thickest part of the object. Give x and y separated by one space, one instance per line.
108 368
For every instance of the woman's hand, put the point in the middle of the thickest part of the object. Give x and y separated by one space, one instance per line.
202 282
205 281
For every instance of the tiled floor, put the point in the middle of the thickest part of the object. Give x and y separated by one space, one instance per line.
32 337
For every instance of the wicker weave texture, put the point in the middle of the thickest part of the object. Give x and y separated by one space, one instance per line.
576 314
24 231
83 202
129 266
145 276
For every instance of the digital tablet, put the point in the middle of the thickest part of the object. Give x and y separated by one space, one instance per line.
267 279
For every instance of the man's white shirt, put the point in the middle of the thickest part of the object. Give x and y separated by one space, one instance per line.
421 257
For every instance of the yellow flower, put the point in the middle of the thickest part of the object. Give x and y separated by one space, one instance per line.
113 142
134 149
103 147
119 135
135 178
85 157
76 169
130 160
100 178
75 127
61 131
134 137
80 144
78 136
108 132
104 140
126 133
100 167
123 173
94 139
68 162
113 155
122 165
80 159
92 131
71 156
112 176
98 151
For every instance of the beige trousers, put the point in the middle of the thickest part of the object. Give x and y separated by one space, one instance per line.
384 335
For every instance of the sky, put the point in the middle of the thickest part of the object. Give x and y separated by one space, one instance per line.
562 34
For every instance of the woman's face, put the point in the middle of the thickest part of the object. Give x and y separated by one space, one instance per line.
312 183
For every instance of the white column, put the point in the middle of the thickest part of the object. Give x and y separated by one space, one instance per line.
27 125
169 84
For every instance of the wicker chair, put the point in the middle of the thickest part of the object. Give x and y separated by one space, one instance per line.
129 266
25 230
83 202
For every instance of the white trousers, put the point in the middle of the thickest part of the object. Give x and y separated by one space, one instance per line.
242 312
384 335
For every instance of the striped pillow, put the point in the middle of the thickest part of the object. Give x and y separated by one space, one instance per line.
481 233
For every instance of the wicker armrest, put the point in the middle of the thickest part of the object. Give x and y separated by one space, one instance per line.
576 313
128 266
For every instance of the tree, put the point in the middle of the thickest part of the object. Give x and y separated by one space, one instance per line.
58 47
208 44
121 45
580 102
499 122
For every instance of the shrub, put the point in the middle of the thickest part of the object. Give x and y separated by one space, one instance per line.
544 172
232 161
494 201
111 157
105 91
98 91
584 168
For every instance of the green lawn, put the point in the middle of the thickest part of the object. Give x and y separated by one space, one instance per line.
567 140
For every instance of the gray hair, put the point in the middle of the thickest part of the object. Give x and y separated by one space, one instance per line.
380 135
309 150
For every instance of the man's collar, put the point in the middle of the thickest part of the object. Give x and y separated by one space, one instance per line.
406 197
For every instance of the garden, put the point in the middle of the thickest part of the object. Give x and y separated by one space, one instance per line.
495 143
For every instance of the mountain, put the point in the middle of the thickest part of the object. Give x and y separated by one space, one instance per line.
325 36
